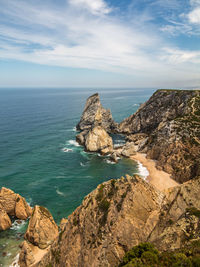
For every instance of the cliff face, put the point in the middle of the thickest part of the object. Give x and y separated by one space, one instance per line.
114 217
170 121
122 213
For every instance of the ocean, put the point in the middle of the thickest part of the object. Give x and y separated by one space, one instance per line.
40 158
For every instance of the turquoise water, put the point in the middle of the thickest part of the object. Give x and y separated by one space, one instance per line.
39 157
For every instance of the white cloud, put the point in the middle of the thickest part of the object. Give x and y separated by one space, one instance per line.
72 37
94 6
194 16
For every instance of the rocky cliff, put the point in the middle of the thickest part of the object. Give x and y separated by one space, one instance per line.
167 128
120 214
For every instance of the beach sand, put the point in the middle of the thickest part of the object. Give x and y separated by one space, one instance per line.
160 179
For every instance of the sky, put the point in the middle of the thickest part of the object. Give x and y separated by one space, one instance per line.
100 43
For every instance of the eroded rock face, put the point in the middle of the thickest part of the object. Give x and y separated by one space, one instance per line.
42 230
94 114
170 120
14 205
5 222
179 221
114 217
98 140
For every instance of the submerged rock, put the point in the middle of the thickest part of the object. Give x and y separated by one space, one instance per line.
42 229
98 140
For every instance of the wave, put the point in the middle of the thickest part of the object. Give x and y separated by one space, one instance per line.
18 224
15 262
71 130
142 170
59 192
73 143
110 161
67 149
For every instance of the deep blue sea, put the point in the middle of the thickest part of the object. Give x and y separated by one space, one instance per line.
39 157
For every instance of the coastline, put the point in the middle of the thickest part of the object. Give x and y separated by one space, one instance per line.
160 179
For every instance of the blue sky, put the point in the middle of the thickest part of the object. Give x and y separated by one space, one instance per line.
99 43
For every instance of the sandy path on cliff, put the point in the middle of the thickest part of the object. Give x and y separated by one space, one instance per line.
160 179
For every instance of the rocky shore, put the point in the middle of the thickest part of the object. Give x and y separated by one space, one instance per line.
122 213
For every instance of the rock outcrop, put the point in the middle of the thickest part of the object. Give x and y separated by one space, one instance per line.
12 204
42 231
122 213
94 114
167 128
5 222
98 140
95 124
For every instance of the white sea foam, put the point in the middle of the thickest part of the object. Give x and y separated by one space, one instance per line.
82 164
110 161
16 225
142 170
15 262
59 192
73 143
67 149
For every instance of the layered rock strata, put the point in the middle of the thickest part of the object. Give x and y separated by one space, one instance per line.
12 204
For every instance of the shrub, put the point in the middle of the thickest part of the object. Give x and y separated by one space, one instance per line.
149 258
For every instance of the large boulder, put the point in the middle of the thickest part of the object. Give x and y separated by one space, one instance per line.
14 204
94 114
98 140
42 229
5 222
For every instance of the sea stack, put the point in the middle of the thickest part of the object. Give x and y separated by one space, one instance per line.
95 125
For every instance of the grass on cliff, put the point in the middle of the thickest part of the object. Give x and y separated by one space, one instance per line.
146 254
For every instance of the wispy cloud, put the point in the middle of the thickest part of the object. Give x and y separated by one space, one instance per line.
87 34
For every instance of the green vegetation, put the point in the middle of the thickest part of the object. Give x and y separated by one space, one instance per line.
100 194
193 211
146 254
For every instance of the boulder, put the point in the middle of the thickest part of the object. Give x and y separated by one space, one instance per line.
13 204
98 140
42 229
128 150
5 222
22 209
7 200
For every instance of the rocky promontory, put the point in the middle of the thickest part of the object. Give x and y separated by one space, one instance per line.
12 204
170 125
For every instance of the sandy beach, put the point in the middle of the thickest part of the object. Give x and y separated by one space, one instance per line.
160 179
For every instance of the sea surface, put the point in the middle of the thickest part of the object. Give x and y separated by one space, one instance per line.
39 157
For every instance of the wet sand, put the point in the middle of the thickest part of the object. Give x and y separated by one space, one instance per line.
160 179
